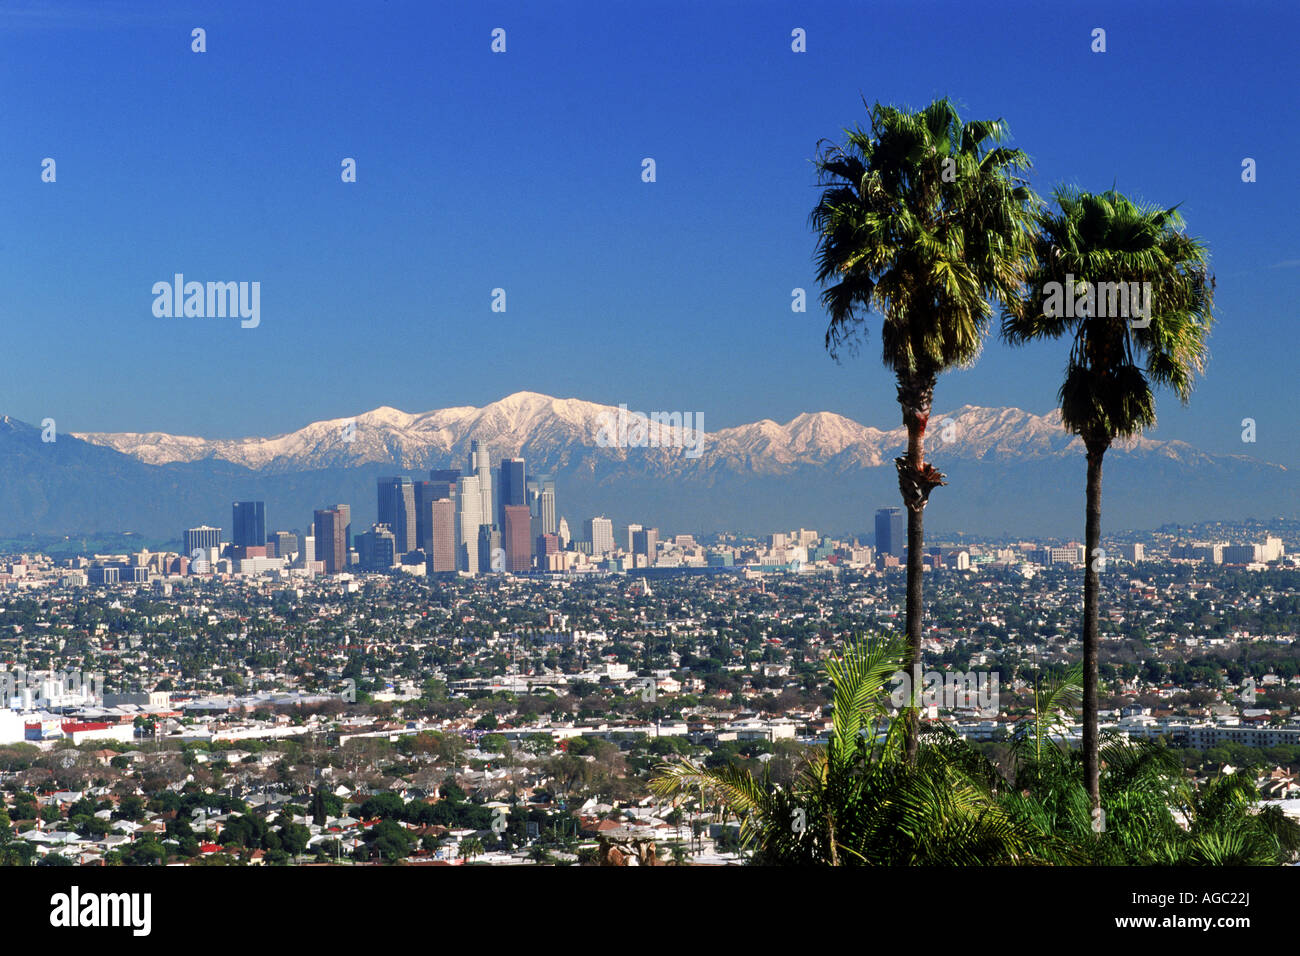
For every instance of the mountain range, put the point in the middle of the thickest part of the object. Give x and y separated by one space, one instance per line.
1010 472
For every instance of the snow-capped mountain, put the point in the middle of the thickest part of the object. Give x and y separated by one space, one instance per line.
557 432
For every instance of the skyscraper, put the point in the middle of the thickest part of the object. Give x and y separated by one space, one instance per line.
330 525
646 542
480 465
397 511
517 540
248 524
346 512
600 532
890 537
201 537
489 543
469 503
284 542
377 549
511 488
445 476
546 508
541 498
426 492
440 549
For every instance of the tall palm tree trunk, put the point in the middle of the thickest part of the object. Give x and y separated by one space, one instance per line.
915 597
1091 600
916 479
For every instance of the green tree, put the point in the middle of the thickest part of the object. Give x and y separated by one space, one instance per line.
861 800
923 219
1107 243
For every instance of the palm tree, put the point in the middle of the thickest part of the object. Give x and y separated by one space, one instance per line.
922 219
1103 245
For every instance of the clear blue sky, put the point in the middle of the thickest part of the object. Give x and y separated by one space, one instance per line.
523 171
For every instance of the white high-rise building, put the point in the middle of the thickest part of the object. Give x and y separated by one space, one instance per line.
469 504
600 532
480 465
546 504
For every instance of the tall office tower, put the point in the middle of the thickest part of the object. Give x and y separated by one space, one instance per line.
646 541
546 510
489 540
632 529
512 488
600 532
517 539
563 532
248 524
890 536
426 492
331 526
446 476
397 511
537 487
480 465
346 512
284 542
307 556
440 549
377 548
468 517
201 537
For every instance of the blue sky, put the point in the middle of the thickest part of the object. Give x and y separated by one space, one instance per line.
522 171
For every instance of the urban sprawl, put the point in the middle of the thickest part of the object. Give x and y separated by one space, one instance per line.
467 681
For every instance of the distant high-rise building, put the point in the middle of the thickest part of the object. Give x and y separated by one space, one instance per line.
248 524
547 544
1243 553
600 532
346 512
397 511
541 499
468 517
480 465
512 488
201 537
489 543
890 536
646 542
563 531
331 526
377 548
440 549
426 492
516 539
546 509
632 529
447 476
1134 552
284 543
